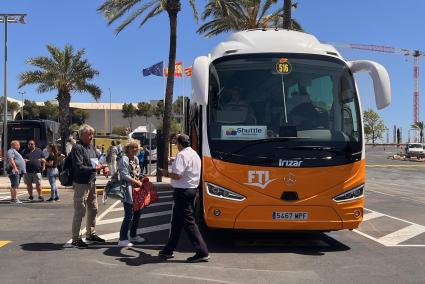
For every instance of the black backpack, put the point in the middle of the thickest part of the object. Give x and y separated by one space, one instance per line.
66 175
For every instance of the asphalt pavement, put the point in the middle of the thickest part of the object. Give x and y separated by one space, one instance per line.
388 247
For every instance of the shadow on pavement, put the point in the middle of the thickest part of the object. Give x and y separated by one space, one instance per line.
42 247
141 259
305 243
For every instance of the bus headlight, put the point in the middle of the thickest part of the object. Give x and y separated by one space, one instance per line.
220 192
354 193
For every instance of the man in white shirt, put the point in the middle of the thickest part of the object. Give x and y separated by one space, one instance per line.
185 176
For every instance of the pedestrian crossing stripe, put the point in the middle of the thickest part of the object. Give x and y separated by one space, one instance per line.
396 238
3 243
143 216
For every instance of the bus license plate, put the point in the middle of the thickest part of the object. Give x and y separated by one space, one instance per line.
290 216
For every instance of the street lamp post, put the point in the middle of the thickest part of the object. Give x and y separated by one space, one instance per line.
22 104
7 19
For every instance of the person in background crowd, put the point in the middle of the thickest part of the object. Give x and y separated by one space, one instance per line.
146 159
69 144
85 164
98 151
52 171
129 172
141 157
119 147
17 169
111 157
35 164
185 178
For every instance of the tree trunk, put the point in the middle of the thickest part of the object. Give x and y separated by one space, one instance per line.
63 100
172 7
287 17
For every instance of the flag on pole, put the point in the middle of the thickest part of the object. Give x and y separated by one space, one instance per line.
156 69
178 70
188 71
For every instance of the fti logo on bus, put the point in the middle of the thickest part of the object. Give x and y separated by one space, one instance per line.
259 179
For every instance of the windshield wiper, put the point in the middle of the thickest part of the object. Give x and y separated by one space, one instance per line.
261 141
319 148
224 155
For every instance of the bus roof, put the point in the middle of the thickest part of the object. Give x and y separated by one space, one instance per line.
272 41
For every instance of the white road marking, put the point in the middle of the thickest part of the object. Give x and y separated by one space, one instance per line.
152 205
161 203
402 235
371 216
191 277
165 196
394 239
143 216
375 191
8 197
151 229
98 219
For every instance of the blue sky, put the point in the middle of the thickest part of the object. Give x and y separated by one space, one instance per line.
121 58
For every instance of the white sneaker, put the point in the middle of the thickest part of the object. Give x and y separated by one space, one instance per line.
137 239
16 201
124 243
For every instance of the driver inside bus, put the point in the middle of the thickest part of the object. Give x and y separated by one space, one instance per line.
237 105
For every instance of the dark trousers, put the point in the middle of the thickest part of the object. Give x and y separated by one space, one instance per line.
145 167
129 216
183 217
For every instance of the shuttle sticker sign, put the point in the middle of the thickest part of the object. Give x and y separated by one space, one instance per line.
243 132
259 179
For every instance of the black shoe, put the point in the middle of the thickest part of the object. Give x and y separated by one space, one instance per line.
198 258
41 198
79 243
57 199
31 198
50 199
95 239
165 254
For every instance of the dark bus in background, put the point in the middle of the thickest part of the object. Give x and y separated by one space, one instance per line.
42 131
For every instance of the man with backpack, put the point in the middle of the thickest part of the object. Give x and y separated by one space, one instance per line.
85 164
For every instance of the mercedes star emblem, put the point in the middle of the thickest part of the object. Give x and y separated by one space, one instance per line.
290 179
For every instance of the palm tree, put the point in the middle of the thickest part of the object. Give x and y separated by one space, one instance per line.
64 71
419 125
238 15
144 109
115 9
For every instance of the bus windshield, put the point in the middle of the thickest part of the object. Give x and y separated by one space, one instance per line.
275 106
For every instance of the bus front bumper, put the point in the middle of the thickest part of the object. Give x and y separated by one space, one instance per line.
287 218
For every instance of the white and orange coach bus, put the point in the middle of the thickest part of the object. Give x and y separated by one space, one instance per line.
276 118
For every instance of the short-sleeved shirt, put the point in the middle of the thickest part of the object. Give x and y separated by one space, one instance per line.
19 161
34 164
188 166
51 157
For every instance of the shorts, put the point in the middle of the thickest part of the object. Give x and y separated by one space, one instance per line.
15 180
30 178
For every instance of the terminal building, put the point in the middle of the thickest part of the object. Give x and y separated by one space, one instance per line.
102 116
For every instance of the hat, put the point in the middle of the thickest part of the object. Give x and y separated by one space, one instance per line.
183 139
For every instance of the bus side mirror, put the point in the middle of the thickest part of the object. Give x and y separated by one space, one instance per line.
200 80
380 78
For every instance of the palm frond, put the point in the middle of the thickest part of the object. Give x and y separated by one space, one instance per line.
114 9
135 15
158 9
195 10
